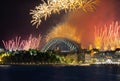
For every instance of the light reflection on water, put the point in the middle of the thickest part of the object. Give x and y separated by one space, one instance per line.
66 73
5 66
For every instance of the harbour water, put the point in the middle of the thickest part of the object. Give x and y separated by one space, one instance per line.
59 73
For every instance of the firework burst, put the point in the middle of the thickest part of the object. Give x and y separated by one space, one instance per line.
32 42
14 44
107 37
55 6
19 44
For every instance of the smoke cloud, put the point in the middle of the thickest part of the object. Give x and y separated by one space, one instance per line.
84 22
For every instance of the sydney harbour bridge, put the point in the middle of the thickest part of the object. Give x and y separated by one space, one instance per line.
64 45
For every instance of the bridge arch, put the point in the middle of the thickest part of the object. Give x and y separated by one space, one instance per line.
70 45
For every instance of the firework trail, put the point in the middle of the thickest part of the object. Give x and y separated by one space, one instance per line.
32 42
55 6
19 44
14 44
107 37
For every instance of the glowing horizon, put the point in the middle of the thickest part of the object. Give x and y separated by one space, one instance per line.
106 37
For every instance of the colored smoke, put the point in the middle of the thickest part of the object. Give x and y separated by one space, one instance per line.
84 23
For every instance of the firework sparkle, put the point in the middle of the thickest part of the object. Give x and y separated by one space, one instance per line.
108 36
19 44
55 6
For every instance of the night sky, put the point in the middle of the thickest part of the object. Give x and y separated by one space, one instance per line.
15 18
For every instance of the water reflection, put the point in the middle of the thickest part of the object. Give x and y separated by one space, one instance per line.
4 73
67 73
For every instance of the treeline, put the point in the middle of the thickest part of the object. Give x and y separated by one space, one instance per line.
31 56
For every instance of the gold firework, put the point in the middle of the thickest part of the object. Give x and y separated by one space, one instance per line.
108 36
55 6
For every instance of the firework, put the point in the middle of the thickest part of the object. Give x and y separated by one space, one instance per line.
107 37
19 44
32 42
64 31
55 6
14 44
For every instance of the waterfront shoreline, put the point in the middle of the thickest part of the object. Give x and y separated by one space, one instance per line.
48 64
52 64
